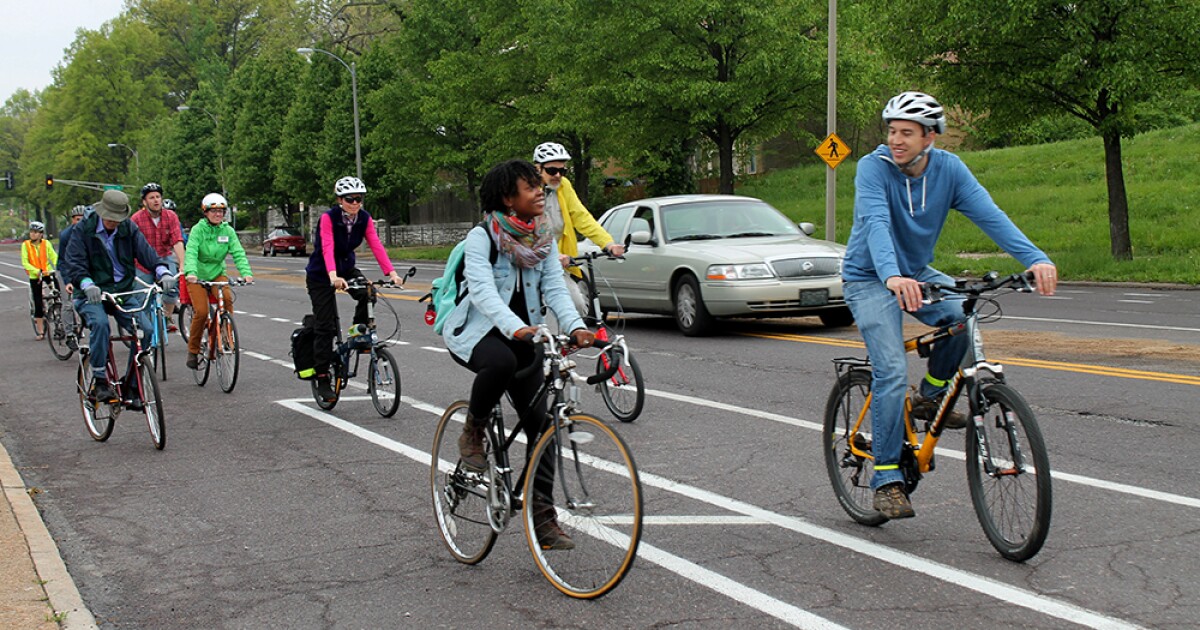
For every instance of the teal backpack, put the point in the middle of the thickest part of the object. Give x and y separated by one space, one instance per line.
446 293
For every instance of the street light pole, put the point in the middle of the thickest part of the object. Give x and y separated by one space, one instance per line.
137 163
220 147
307 52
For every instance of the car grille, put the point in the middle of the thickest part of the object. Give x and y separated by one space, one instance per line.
790 305
806 267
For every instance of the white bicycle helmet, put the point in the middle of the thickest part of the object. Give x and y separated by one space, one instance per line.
37 226
550 152
349 185
78 211
212 200
918 107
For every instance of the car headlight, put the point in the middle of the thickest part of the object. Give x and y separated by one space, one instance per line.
752 271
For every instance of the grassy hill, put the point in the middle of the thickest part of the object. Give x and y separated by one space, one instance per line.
1056 193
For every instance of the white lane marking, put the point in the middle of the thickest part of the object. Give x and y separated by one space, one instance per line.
4 287
680 566
397 342
698 519
1113 324
1153 295
279 319
1102 484
24 281
1137 301
13 265
433 349
685 568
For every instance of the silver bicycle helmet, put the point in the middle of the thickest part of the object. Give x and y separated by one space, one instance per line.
917 107
550 152
37 226
349 185
169 204
78 211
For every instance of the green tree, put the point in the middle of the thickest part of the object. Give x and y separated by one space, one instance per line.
1020 61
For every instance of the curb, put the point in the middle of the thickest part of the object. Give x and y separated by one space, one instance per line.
60 588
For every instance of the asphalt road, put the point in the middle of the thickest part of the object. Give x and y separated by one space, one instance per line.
264 512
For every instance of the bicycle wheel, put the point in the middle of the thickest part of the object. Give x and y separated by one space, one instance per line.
229 353
850 472
384 382
183 313
200 374
460 497
625 393
152 407
1008 472
56 333
597 501
97 416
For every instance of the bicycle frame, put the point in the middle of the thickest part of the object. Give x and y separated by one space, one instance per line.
973 369
132 338
216 306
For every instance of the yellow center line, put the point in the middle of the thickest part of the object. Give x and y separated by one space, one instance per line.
1080 368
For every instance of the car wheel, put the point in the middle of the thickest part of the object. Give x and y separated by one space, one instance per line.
837 318
691 316
273 252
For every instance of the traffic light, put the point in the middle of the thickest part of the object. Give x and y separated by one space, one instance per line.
49 182
8 180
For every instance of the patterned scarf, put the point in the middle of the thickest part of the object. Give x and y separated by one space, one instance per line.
528 242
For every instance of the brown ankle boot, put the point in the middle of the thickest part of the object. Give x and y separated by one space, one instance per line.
470 445
545 526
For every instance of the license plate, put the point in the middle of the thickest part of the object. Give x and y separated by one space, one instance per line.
814 297
292 247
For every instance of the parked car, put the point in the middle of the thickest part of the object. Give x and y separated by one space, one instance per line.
703 257
285 239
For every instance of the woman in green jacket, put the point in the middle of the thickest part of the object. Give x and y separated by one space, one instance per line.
209 243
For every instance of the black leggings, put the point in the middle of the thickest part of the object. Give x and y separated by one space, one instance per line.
35 288
495 361
325 317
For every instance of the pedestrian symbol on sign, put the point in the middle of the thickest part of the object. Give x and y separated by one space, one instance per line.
833 150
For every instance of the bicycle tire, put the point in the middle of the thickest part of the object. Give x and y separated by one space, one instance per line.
56 334
97 417
228 352
625 393
203 365
849 473
1013 505
184 314
384 382
152 407
603 515
459 496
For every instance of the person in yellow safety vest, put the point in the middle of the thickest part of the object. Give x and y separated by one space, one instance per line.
567 215
39 259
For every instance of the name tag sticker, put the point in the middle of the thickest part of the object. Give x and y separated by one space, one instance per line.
222 239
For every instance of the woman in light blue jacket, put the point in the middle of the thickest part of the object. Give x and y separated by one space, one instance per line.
488 332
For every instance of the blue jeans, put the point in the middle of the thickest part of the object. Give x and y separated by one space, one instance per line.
880 321
168 297
96 319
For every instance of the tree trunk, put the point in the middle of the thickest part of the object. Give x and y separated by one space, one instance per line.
1118 201
725 140
583 173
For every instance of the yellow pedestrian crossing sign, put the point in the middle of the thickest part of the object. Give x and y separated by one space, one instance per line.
833 150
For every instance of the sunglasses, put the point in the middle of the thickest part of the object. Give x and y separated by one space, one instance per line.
555 170
352 199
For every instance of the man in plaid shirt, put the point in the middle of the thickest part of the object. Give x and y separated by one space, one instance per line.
164 233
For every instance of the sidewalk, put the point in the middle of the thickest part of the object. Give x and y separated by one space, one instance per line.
36 592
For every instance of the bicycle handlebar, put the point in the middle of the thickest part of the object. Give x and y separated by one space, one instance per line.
359 282
551 344
582 258
235 282
992 281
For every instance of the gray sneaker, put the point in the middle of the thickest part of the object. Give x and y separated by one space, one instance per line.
926 408
891 501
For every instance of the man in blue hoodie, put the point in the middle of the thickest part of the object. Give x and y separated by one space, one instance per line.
904 191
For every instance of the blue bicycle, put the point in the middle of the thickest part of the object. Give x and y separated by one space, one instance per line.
158 332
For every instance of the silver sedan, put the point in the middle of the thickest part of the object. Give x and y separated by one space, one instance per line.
702 257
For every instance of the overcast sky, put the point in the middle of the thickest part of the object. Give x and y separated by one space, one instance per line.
34 34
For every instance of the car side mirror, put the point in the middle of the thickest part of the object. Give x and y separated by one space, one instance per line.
807 228
641 238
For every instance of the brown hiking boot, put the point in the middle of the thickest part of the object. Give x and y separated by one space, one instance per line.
470 446
926 408
550 535
891 501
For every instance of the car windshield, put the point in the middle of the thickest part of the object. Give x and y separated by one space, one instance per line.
734 218
287 232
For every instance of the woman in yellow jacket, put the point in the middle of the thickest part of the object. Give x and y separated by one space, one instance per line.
567 215
39 259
